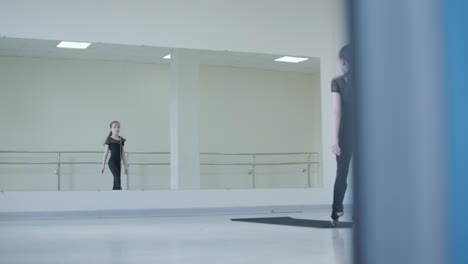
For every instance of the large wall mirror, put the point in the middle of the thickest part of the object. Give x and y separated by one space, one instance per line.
259 118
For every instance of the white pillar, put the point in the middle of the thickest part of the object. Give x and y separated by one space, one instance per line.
185 109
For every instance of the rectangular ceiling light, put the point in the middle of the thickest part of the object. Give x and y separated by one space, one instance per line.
73 45
168 56
291 59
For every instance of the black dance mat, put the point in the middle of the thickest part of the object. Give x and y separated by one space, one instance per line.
295 222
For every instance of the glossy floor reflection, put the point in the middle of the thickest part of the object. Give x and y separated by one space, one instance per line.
200 239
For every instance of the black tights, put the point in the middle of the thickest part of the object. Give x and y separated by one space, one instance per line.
116 170
341 183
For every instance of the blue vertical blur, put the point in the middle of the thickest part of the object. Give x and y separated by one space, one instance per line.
455 26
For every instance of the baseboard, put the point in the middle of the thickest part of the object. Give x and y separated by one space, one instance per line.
166 212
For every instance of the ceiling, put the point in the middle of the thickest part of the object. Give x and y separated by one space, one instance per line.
17 47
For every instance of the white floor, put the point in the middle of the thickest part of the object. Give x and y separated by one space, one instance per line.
195 239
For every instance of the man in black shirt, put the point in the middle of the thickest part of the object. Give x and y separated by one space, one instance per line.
343 122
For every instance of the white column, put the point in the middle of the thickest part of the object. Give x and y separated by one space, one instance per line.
185 109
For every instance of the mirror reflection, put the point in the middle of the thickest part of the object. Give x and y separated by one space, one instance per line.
186 119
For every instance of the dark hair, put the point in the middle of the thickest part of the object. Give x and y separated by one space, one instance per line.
345 53
113 122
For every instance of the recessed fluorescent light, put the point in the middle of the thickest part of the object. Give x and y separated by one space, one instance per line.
291 59
168 56
73 45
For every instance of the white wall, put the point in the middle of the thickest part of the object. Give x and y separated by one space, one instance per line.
161 199
66 105
247 110
295 27
299 27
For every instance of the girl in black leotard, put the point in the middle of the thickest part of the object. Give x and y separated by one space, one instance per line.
115 143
